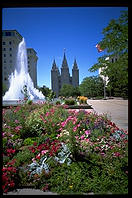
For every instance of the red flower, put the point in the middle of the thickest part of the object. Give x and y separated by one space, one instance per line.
38 156
116 154
35 143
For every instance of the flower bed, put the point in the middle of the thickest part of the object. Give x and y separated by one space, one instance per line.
68 152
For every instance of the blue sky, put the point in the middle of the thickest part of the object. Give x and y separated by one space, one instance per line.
50 30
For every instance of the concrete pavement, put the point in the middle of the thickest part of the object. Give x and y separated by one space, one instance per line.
29 191
116 109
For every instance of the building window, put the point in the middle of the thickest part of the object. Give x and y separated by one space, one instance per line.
10 55
4 43
8 34
4 49
5 78
10 42
10 49
4 61
5 67
10 61
4 55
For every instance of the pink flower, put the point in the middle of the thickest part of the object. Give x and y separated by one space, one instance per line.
74 128
87 132
18 128
87 140
47 114
97 148
122 136
38 156
102 153
63 124
76 137
33 160
116 154
78 125
60 129
42 118
44 151
3 134
82 137
16 121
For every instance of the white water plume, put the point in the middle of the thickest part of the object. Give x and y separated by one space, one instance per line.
20 77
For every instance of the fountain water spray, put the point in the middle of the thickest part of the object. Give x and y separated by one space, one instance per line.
21 78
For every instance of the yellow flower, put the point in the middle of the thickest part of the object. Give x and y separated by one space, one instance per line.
70 186
82 99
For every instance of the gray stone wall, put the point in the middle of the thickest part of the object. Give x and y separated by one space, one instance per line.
75 77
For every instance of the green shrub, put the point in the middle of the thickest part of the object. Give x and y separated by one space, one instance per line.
29 102
70 102
29 141
58 102
23 157
45 120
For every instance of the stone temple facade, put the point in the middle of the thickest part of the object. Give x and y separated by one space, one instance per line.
59 79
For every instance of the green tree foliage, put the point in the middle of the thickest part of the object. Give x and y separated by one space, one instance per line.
4 89
91 86
69 90
48 93
45 90
115 44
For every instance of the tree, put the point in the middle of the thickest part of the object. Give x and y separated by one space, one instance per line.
91 86
4 89
45 90
115 43
66 90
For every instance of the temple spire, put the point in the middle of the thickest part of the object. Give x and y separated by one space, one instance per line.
54 65
64 63
75 64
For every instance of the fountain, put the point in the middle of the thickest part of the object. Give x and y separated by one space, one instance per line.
20 79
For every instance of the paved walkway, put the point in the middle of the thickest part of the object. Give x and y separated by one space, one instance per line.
116 109
29 191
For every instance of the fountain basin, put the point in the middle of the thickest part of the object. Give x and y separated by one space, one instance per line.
16 102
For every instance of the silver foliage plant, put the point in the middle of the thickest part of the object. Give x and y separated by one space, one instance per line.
62 157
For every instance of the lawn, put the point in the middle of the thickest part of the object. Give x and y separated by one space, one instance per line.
52 148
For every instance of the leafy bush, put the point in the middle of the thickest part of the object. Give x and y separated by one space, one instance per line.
69 102
23 157
29 102
45 120
29 141
58 102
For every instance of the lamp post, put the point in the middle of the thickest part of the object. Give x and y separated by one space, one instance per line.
104 88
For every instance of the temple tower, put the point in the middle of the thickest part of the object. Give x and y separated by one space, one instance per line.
55 79
65 75
75 75
58 80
